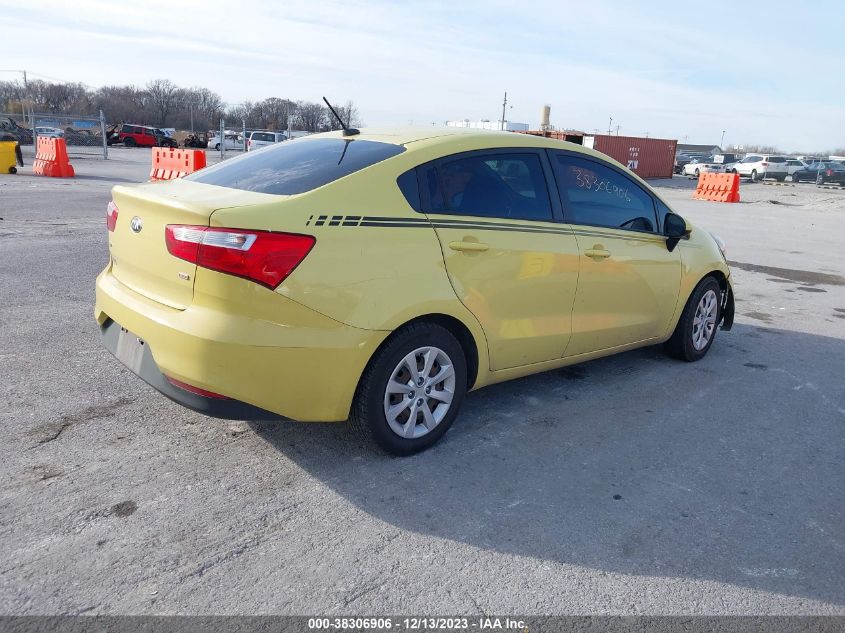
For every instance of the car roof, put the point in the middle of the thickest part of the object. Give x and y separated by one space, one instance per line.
454 140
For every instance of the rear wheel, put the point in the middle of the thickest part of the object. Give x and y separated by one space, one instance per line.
217 147
697 173
753 175
697 326
13 170
412 389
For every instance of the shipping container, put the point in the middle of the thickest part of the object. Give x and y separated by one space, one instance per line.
646 157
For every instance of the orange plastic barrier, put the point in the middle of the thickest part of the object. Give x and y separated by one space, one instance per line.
174 163
717 188
51 158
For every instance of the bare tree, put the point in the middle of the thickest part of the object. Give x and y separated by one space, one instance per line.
347 112
310 117
164 96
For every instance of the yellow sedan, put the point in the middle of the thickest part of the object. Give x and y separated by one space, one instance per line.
376 277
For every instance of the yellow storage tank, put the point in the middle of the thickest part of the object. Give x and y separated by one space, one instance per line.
8 160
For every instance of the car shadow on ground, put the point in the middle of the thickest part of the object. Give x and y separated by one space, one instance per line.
729 469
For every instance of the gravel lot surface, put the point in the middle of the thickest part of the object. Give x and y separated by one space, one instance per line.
629 485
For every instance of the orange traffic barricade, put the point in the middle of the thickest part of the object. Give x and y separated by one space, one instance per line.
51 158
717 188
174 163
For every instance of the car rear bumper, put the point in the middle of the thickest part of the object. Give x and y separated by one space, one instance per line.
302 365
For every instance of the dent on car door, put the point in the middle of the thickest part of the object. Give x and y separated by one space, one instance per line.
508 257
629 281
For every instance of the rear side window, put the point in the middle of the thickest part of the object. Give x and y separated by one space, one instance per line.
777 159
597 195
493 185
297 166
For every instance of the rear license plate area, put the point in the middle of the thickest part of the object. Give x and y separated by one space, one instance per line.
130 350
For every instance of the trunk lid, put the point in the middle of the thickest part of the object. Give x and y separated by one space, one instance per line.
140 259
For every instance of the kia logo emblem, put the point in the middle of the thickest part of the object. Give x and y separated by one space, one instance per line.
136 224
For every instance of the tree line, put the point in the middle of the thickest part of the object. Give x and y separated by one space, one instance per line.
162 103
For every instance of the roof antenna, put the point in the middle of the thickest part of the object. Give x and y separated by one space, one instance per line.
347 131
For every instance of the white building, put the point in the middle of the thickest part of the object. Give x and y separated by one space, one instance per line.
487 124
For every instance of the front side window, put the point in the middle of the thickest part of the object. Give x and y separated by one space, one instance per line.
597 195
493 185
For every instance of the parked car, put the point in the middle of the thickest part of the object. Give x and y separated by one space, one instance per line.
684 159
488 240
259 139
132 135
821 173
793 165
759 166
22 135
700 166
49 132
231 141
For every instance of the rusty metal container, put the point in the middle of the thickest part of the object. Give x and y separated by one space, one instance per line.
646 157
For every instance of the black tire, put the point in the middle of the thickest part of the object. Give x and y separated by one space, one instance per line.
13 170
217 147
368 415
129 142
753 175
697 173
681 345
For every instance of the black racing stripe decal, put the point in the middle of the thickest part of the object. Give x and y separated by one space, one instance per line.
445 223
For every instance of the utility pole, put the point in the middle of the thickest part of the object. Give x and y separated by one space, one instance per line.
504 105
609 126
722 142
617 129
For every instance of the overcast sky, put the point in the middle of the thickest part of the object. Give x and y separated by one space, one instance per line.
767 73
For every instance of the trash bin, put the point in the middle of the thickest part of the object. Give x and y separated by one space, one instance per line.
10 156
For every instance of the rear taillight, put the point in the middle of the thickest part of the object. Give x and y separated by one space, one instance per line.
764 164
829 172
111 216
264 257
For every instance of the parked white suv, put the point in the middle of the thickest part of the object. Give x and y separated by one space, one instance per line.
261 139
760 166
793 165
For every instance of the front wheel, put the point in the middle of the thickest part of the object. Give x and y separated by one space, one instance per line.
129 142
412 389
13 170
697 326
217 147
754 176
697 173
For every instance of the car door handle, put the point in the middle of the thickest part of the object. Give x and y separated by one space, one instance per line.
597 253
472 247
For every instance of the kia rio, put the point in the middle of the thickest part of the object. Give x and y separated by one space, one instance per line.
378 277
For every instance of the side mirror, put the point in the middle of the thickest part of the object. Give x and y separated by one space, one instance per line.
674 228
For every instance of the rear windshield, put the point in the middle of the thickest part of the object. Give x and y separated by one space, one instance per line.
263 136
296 166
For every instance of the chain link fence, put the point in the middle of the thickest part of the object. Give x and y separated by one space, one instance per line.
84 135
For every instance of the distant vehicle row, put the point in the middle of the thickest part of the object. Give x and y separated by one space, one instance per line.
757 167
